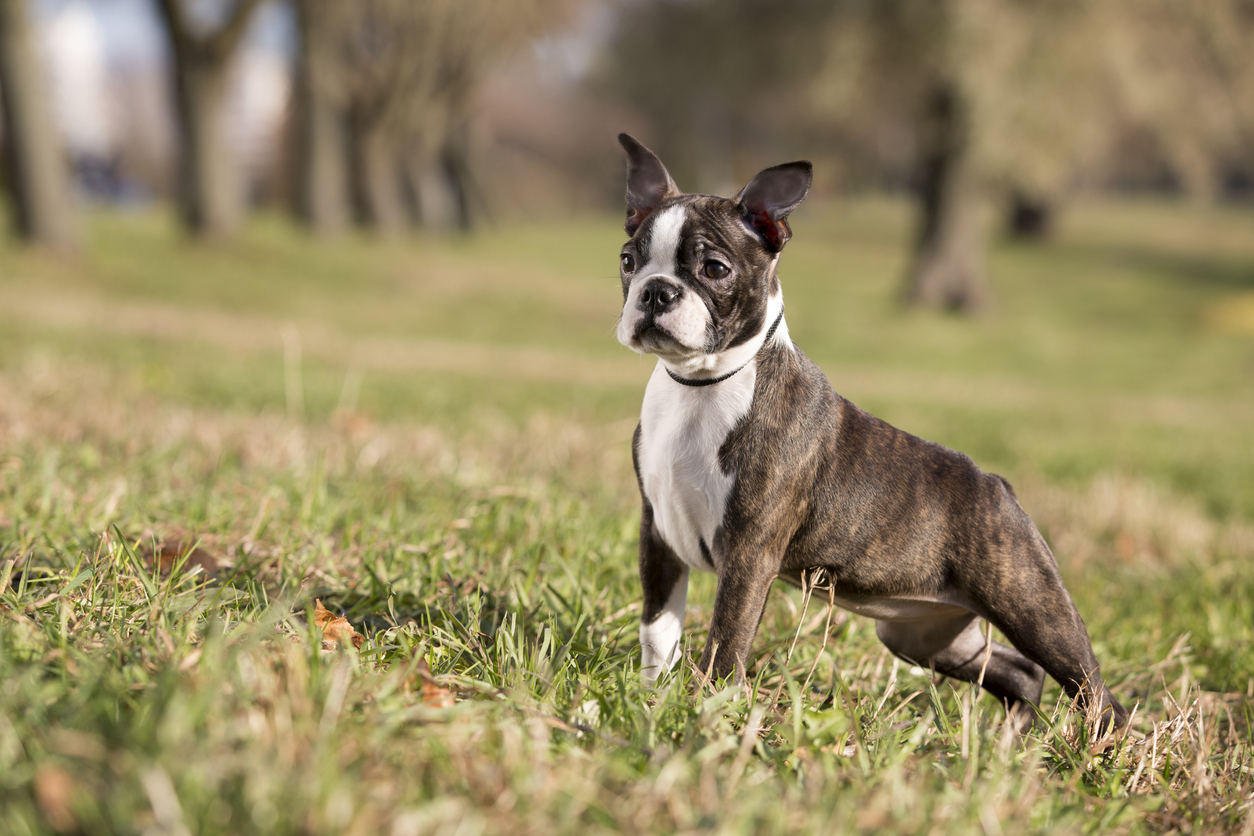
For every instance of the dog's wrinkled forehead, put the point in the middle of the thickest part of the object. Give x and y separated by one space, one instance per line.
694 224
660 236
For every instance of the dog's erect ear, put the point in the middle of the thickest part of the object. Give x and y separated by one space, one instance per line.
648 183
771 196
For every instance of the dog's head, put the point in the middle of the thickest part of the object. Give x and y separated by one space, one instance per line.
699 271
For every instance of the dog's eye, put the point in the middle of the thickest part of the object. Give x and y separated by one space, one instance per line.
629 263
715 270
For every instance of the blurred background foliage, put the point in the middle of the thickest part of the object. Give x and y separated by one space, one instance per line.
394 115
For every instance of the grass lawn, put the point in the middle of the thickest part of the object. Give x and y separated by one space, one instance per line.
431 438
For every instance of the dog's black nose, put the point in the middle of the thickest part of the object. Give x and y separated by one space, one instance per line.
659 296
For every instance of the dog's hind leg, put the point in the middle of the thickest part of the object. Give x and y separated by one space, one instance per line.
951 643
1015 584
1042 622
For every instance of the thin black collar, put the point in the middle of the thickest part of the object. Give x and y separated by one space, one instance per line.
710 381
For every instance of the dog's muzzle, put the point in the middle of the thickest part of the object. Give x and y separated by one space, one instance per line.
659 296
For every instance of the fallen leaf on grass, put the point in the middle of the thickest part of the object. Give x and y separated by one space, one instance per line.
166 552
433 693
335 628
357 425
54 789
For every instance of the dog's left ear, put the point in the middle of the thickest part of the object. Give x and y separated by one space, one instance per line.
771 196
648 183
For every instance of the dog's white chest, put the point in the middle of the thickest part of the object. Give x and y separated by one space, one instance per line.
681 431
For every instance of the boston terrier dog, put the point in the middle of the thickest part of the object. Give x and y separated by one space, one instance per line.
750 466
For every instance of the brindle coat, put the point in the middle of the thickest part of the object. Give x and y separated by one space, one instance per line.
909 532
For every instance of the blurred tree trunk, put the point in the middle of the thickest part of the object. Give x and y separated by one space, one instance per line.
948 268
211 196
321 175
388 58
410 71
376 176
1029 216
38 175
456 162
457 175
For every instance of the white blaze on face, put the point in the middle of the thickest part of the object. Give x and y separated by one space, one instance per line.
664 241
687 323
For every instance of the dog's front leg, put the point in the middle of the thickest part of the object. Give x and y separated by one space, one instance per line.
664 580
738 607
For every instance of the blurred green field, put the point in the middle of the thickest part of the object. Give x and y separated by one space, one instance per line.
431 436
1125 346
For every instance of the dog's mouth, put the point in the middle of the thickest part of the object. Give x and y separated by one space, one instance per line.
652 338
665 334
650 333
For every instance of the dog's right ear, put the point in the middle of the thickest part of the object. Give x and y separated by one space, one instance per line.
770 197
648 183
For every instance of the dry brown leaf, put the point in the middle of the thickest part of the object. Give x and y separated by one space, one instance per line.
356 425
54 790
335 629
166 551
433 693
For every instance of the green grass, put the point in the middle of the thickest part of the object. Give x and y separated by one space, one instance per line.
432 437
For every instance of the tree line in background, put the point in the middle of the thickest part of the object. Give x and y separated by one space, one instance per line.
965 103
381 97
382 93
